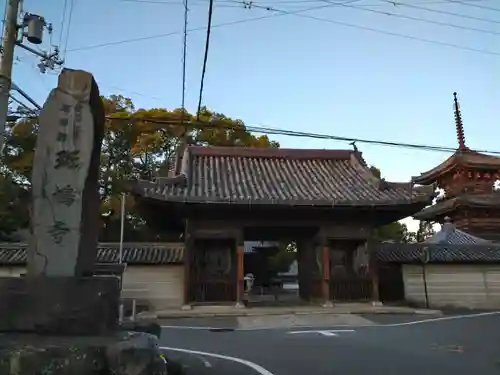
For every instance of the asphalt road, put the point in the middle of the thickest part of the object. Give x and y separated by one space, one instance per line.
398 346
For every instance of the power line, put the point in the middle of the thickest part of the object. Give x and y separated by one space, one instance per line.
418 19
393 3
200 3
63 21
298 13
430 10
217 125
379 31
205 57
470 4
68 30
184 55
276 131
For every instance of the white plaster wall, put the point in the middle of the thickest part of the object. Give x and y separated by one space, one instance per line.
469 286
162 286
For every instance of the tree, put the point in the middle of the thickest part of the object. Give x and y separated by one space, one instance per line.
397 231
425 230
14 211
137 143
283 259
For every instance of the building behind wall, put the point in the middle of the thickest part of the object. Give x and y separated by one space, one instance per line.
154 273
467 178
328 201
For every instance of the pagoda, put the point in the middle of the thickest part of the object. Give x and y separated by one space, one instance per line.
467 178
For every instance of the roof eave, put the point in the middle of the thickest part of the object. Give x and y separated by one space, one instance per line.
430 176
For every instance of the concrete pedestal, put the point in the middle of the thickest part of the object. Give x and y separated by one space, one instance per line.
59 305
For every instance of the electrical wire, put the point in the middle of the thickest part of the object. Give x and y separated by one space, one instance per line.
68 30
184 55
298 13
200 3
430 10
205 57
216 125
63 22
379 31
418 19
470 4
213 125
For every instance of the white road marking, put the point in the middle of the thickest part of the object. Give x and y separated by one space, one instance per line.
204 361
330 332
430 320
261 370
440 319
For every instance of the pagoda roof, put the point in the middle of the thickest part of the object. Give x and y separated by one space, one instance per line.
291 177
450 235
486 200
461 158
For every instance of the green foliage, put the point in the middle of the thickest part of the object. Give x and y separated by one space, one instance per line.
132 148
425 230
282 260
14 214
376 172
398 232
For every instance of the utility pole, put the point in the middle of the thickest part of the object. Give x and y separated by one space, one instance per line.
32 28
8 45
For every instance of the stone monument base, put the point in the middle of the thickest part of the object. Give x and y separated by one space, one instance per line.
59 306
123 353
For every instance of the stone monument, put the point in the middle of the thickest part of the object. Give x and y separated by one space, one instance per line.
61 318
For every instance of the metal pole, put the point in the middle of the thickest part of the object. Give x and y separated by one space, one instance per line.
424 275
122 227
9 43
120 254
134 309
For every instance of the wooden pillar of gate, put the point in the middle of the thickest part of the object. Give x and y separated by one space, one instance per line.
321 248
325 290
372 248
188 259
240 271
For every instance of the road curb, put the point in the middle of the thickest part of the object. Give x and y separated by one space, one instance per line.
187 315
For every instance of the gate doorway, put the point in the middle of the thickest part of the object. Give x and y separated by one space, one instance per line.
214 276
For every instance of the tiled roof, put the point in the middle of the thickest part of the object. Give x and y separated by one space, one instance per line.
278 176
475 200
450 235
133 253
415 253
465 158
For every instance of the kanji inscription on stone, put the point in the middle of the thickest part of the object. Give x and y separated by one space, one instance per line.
65 195
69 159
64 180
58 231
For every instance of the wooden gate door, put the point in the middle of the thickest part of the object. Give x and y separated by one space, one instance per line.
214 271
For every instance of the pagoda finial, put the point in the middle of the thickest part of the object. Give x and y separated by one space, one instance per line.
459 124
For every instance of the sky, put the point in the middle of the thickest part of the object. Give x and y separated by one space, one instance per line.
360 72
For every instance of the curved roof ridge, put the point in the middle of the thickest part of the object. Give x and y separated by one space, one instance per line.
466 158
258 152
